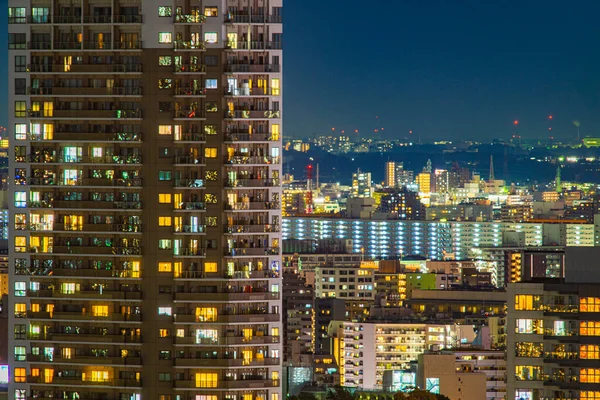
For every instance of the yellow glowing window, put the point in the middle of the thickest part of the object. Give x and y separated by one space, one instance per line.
35 307
177 269
247 332
99 376
20 244
210 152
523 302
68 288
275 132
48 109
100 311
20 375
589 304
20 310
35 372
164 221
206 314
274 331
165 130
589 328
589 395
207 379
164 198
210 266
67 353
180 332
135 269
164 333
275 87
589 352
165 267
247 396
48 375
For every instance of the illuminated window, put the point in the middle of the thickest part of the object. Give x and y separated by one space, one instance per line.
68 288
20 109
17 15
165 129
211 12
165 11
164 198
67 353
164 311
523 302
210 266
211 107
589 304
589 375
99 376
210 129
210 84
20 289
165 61
100 311
275 87
524 325
20 244
164 221
20 375
589 395
20 131
164 332
589 328
165 266
180 332
164 175
210 152
177 269
165 244
165 37
589 352
210 198
20 199
206 314
211 175
48 109
207 336
206 379
211 221
166 83
20 394
20 353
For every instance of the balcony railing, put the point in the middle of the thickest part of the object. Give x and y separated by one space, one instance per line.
248 92
188 160
260 160
85 228
87 294
84 337
246 114
77 381
189 68
119 205
241 384
189 252
133 182
82 136
189 114
189 183
85 91
253 45
189 137
253 19
41 159
243 251
268 296
254 205
85 68
257 228
189 19
273 182
190 229
191 206
253 68
192 92
248 137
89 114
188 45
91 250
229 340
257 317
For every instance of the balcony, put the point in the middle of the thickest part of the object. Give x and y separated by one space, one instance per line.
189 183
42 159
86 91
91 182
253 19
257 228
87 137
189 137
252 68
241 384
189 19
189 92
82 205
189 68
243 252
87 228
248 137
87 294
246 114
189 252
77 381
84 338
233 318
88 114
80 316
228 341
95 360
189 114
254 205
128 19
188 45
85 68
225 297
188 160
252 160
253 45
235 275
250 92
88 250
39 45
191 206
252 183
226 363
190 229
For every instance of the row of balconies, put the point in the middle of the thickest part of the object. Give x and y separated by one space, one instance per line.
94 360
95 137
86 68
251 228
77 19
82 316
87 250
85 228
245 384
231 318
94 205
85 91
87 294
78 381
63 159
242 45
88 114
256 251
232 18
249 114
58 45
246 159
132 182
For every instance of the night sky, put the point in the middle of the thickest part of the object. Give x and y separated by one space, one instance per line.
443 69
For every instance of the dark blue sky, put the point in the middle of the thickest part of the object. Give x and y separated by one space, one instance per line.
444 69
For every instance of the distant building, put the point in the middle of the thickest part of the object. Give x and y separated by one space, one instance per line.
390 174
423 181
362 184
402 204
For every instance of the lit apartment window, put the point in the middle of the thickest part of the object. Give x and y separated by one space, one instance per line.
207 379
210 266
210 83
207 336
165 266
589 395
589 352
589 328
164 332
164 221
20 131
165 37
589 304
589 375
165 61
20 375
210 152
164 311
164 198
211 175
180 333
165 11
164 377
206 314
20 289
275 87
164 175
210 129
16 15
20 244
68 288
165 244
165 129
100 311
99 376
211 11
20 109
20 394
20 353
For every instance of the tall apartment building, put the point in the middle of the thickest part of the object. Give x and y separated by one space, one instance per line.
145 205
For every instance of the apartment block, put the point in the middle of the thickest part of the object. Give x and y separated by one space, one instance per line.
145 199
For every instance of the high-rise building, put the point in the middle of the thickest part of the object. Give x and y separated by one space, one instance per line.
390 174
145 206
362 184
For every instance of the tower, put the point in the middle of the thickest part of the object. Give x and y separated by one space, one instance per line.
558 180
390 174
145 258
492 177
